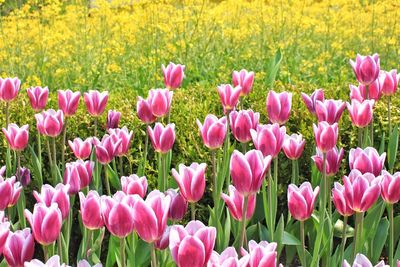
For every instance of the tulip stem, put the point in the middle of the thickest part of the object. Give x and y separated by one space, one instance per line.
59 245
64 144
372 130
244 148
7 114
344 238
391 234
88 242
106 180
146 147
153 256
214 177
122 251
226 150
95 126
54 151
303 244
270 192
358 234
45 252
18 172
390 114
193 211
360 132
121 166
49 151
295 172
244 215
39 143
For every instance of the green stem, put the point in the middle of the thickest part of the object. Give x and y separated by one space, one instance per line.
391 234
18 166
64 144
295 172
106 180
59 245
226 149
122 251
303 244
7 114
88 242
46 252
214 177
54 151
390 114
164 172
244 214
39 143
121 166
146 146
193 211
372 130
360 136
270 193
49 151
244 148
344 238
95 126
153 256
265 202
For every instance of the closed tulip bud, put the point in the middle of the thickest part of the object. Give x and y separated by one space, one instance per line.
279 106
259 255
213 131
4 231
334 158
191 181
360 93
330 110
143 109
228 258
38 97
390 187
25 176
241 123
163 242
235 201
54 261
82 149
9 88
150 216
244 79
361 112
162 138
90 210
389 81
19 248
173 75
134 185
84 263
50 122
269 139
178 206
339 200
68 101
301 200
366 160
326 135
50 195
160 101
193 245
17 137
9 192
95 102
45 222
311 101
106 149
293 146
78 175
362 261
125 136
366 68
229 96
248 171
113 118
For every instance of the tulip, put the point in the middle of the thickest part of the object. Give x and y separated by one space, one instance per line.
68 101
330 110
269 139
178 206
134 184
326 135
78 175
106 149
191 181
213 131
45 222
293 146
361 112
9 88
81 149
389 81
52 262
90 210
162 138
17 137
333 159
301 200
160 101
163 242
340 201
193 245
228 258
84 263
50 122
19 248
244 79
241 122
390 187
311 101
25 176
259 255
50 195
113 118
4 231
95 102
366 68
125 136
361 92
173 75
362 261
9 192
38 97
279 106
144 111
235 203
366 160
229 96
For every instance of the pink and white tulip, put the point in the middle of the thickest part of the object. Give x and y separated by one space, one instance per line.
293 146
144 111
244 79
9 88
161 100
4 231
301 200
50 122
389 81
68 101
362 261
366 160
229 96
235 202
213 131
241 122
227 258
50 195
361 112
10 191
162 138
340 201
279 106
173 75
113 118
366 68
19 248
259 255
106 149
134 185
311 101
178 207
360 93
78 175
38 97
269 139
54 261
390 187
326 135
329 110
191 181
17 137
125 136
95 102
90 210
81 149
334 158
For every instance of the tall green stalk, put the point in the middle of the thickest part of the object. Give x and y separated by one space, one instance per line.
391 234
390 115
243 225
268 213
214 177
107 180
153 256
344 239
193 211
303 244
64 144
226 150
122 251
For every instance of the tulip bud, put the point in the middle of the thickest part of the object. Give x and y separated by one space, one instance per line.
81 149
38 97
24 176
143 109
58 195
178 207
9 192
361 112
113 118
90 210
162 138
235 202
244 79
95 102
229 96
330 110
366 160
366 68
333 159
325 136
132 185
339 200
293 146
125 136
19 248
78 175
301 200
259 254
191 181
389 81
279 106
50 122
106 149
360 93
213 131
311 101
269 139
9 88
241 122
17 137
173 75
390 187
160 101
228 258
68 101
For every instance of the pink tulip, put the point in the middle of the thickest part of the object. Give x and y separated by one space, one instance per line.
3 217
125 136
213 131
228 258
229 96
173 75
9 88
311 101
293 146
193 245
54 261
191 181
161 137
134 184
178 207
366 68
150 217
38 97
235 201
269 139
160 101
326 135
279 106
95 102
330 110
113 118
390 187
334 158
241 122
366 160
244 79
163 242
106 149
248 171
361 112
360 92
84 263
78 175
82 149
301 200
339 200
50 195
45 222
9 192
362 261
17 137
25 176
90 210
118 213
68 101
144 111
19 248
361 190
4 231
389 81
259 255
50 122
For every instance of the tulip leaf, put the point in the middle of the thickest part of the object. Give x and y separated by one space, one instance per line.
113 245
338 229
382 145
372 219
36 168
392 147
142 253
8 163
113 178
227 229
273 68
290 240
379 241
3 263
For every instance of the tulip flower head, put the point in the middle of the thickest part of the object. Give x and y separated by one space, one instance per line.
244 79
241 122
293 146
389 81
50 195
362 261
106 149
366 160
134 185
213 131
90 210
95 102
17 137
125 136
163 242
54 261
81 149
50 122
144 111
24 176
366 68
4 231
301 200
326 135
269 139
340 201
68 101
173 75
191 180
19 248
113 118
78 175
228 258
390 187
329 110
162 138
235 202
9 88
161 100
311 101
334 158
261 254
361 93
178 207
38 97
361 112
279 106
10 191
229 96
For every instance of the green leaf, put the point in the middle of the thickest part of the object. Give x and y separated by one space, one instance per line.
290 240
9 171
113 178
227 229
392 147
372 219
142 253
36 168
382 145
338 229
379 239
273 69
113 248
